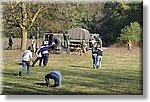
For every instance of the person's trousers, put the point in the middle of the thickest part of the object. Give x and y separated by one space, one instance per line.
94 58
45 61
24 64
52 76
98 61
9 47
38 58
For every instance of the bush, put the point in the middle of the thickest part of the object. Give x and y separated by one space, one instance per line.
131 32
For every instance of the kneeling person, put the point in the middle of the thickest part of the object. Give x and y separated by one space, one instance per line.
56 75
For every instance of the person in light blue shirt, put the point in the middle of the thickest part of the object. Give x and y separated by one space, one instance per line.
56 76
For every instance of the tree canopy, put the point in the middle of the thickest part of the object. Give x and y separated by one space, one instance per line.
104 18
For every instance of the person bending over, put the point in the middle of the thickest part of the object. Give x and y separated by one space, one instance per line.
56 76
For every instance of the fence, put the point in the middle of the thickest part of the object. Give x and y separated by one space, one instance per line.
17 42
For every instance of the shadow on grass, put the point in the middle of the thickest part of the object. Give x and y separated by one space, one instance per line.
41 84
20 63
21 89
80 66
12 74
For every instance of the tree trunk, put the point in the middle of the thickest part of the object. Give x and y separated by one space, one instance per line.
24 27
24 38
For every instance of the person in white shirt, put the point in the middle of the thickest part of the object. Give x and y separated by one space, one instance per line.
38 57
27 55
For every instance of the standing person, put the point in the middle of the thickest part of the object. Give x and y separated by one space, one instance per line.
98 40
99 56
10 43
38 56
94 54
27 55
83 48
33 41
45 53
129 44
56 75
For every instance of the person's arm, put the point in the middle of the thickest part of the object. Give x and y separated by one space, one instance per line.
51 46
41 49
30 55
38 51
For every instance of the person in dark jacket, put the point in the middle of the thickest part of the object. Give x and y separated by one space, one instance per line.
94 54
10 43
56 76
99 56
45 53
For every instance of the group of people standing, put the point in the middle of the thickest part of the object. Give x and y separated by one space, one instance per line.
97 53
97 56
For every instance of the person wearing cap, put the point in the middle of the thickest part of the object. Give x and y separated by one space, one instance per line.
56 76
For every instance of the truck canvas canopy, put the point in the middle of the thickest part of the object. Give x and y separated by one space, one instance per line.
78 34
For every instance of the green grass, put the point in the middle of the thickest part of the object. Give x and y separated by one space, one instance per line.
121 74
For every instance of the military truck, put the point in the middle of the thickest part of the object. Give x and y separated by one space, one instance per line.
78 36
62 40
70 41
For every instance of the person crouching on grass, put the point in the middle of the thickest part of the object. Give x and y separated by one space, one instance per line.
27 56
99 56
56 75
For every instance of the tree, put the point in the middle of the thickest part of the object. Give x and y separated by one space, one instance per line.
104 18
132 32
19 14
115 16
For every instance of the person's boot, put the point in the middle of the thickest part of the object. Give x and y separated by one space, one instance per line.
97 67
93 66
19 73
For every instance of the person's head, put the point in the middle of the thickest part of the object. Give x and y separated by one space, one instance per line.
57 42
29 48
94 45
10 36
97 45
95 37
33 37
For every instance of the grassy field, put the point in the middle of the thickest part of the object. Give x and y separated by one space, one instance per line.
121 74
